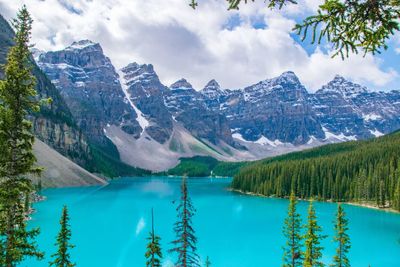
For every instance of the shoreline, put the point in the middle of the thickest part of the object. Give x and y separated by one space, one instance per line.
361 205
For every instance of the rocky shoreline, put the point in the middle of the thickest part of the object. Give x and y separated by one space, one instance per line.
369 205
34 197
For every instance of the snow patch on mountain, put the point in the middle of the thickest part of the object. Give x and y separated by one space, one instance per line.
81 44
338 137
261 141
371 117
141 119
181 84
344 87
376 133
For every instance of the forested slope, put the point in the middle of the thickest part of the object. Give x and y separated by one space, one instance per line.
358 171
56 127
200 166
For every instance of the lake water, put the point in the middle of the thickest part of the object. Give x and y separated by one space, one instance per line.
110 225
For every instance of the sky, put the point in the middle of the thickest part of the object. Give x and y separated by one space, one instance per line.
237 48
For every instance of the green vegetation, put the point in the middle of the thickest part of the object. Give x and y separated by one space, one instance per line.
62 257
208 262
153 253
360 171
342 239
292 256
313 237
106 161
185 244
200 166
350 26
103 159
17 98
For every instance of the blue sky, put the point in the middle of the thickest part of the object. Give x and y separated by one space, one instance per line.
237 48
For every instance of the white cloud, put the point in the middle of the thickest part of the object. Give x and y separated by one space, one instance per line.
181 42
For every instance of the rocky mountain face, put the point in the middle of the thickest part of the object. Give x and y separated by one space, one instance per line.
270 117
189 108
54 123
145 94
276 109
88 82
348 109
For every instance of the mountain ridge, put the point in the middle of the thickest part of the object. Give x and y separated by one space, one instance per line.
271 117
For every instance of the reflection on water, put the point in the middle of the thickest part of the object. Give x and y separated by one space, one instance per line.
110 225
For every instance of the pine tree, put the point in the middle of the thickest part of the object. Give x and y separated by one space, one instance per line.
17 98
208 262
396 196
62 256
313 239
342 239
381 197
185 244
17 95
292 256
153 253
27 204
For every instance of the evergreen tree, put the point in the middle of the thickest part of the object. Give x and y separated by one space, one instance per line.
62 257
361 171
208 262
27 204
17 98
292 256
185 244
342 239
153 253
396 195
350 26
382 196
313 236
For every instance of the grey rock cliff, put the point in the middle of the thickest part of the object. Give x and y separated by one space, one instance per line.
90 86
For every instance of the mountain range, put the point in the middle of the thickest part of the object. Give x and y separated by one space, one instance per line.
105 118
153 125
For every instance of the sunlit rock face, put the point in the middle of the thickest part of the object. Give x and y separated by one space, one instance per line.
146 92
54 124
189 107
277 114
277 109
91 88
350 109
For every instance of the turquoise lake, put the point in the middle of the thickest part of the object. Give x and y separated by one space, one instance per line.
110 225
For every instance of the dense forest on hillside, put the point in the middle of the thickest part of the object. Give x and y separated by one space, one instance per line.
106 160
205 166
357 171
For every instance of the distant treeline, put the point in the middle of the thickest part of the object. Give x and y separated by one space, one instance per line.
358 171
205 166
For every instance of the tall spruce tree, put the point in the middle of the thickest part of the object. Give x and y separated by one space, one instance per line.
292 256
153 253
396 195
342 239
17 98
313 237
62 257
208 262
185 244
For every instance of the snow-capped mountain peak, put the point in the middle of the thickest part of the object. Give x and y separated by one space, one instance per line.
136 73
181 84
344 87
288 77
82 44
213 90
212 85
